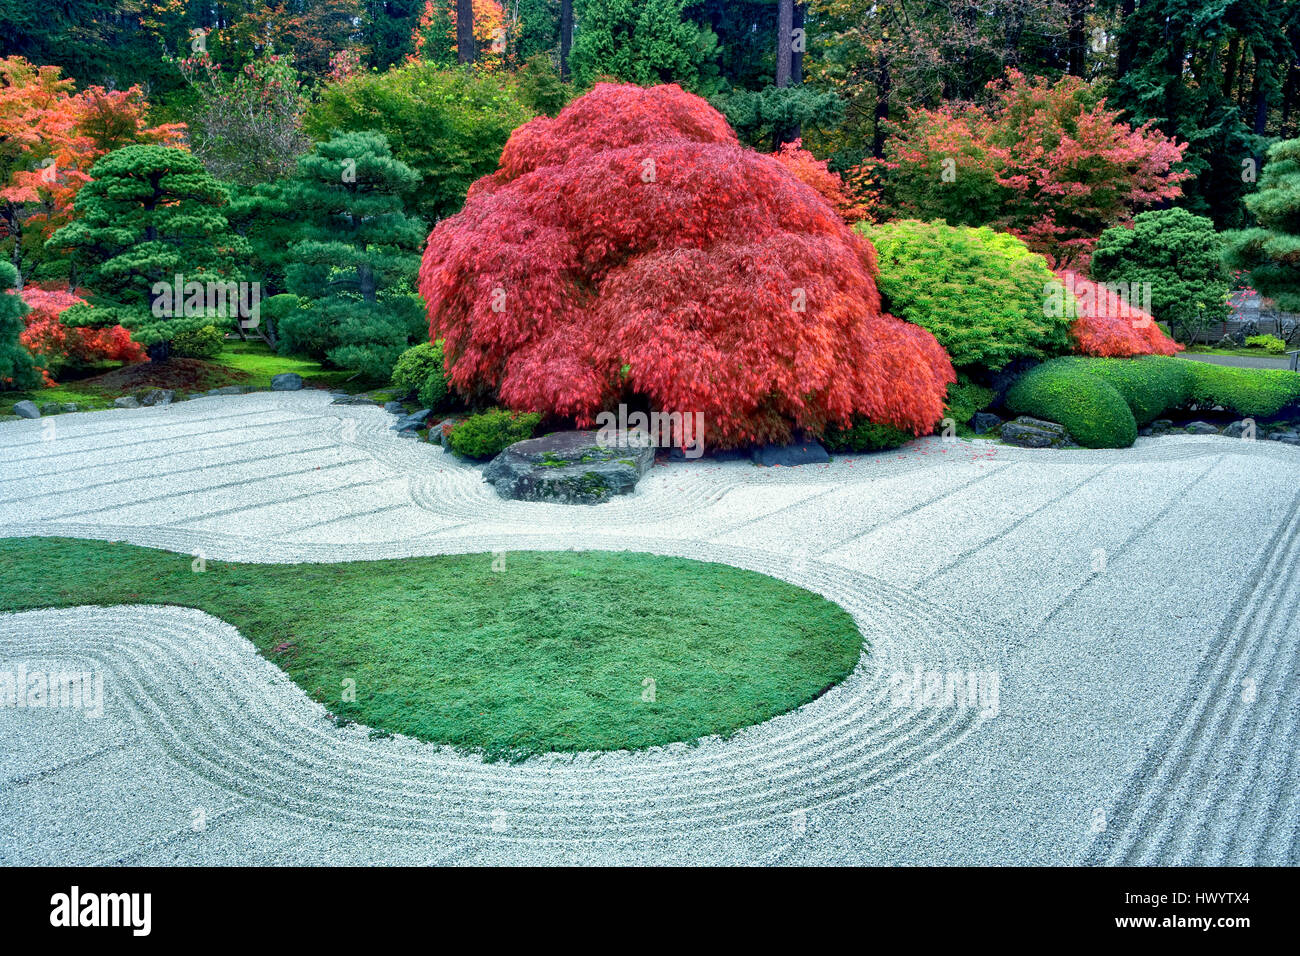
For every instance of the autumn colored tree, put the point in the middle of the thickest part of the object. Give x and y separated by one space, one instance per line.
631 250
1104 322
814 172
62 346
1044 161
50 136
435 38
148 214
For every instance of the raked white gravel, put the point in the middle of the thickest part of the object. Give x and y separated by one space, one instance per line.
1136 609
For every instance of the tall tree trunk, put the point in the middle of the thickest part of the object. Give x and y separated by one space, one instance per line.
883 83
1288 95
566 36
784 33
1127 38
1075 37
1230 68
1260 95
465 31
796 56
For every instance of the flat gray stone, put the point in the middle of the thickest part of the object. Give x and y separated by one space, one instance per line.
1202 428
985 422
806 452
27 409
570 468
286 382
412 422
126 401
1027 432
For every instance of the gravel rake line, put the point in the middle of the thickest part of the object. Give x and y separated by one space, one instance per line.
737 815
1171 764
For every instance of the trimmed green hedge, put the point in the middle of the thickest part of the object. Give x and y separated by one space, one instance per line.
1080 393
1254 392
1150 385
1092 411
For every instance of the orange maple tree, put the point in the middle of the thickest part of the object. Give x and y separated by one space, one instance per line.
631 250
50 136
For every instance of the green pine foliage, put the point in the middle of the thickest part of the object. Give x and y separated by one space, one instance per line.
356 257
1271 251
1180 255
261 214
148 214
643 42
17 368
979 292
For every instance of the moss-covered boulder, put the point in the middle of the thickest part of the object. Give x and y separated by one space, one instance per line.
571 467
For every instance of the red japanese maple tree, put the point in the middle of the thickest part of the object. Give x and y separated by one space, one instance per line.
631 248
63 345
1106 325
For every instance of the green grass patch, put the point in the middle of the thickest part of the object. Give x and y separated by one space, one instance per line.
261 363
552 654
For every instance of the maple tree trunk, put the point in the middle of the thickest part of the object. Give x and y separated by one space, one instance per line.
465 31
566 36
784 32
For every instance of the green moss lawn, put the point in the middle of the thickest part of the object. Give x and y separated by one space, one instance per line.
551 654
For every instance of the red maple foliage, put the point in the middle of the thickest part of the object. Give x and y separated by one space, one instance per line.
807 168
62 345
1042 161
630 247
1106 325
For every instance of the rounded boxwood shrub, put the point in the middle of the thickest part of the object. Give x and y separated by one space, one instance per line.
420 369
1269 343
488 434
204 343
1092 411
981 293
